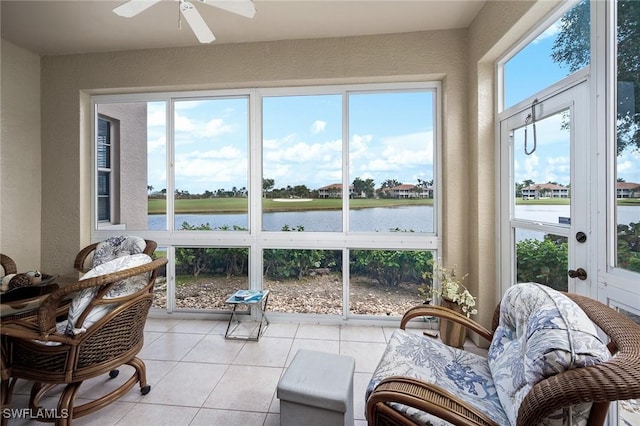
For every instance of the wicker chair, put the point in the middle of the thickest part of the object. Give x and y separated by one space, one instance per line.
84 257
8 265
35 349
615 380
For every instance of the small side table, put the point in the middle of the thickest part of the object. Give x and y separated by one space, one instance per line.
260 299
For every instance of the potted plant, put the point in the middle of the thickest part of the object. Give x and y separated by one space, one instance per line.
453 295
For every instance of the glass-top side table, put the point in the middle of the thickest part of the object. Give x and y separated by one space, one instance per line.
257 298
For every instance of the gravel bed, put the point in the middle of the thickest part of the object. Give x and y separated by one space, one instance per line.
320 294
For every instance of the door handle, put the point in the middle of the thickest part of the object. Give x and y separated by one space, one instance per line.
577 273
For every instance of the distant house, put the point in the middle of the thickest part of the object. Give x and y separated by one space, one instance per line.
627 190
545 190
334 191
409 191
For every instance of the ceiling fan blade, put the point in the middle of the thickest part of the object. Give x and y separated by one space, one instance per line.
244 8
197 24
133 7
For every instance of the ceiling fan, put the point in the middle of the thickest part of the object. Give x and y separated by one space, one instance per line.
199 27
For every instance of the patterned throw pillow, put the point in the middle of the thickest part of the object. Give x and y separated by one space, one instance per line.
541 333
112 247
127 286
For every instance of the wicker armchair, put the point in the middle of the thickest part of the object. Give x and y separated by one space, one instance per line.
617 379
8 265
83 260
37 349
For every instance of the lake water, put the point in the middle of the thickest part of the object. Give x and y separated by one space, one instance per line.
415 218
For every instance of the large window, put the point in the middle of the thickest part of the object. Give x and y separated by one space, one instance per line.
324 195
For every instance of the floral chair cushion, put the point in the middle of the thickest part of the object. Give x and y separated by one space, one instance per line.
112 247
457 371
124 287
541 332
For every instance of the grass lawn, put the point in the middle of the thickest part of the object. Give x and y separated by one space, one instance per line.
235 205
231 205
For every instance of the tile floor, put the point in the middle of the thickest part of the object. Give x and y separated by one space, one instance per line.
199 378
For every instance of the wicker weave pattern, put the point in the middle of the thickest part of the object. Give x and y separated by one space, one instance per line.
615 380
8 264
122 332
111 342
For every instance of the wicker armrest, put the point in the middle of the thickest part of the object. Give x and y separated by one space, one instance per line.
617 379
448 314
425 397
8 264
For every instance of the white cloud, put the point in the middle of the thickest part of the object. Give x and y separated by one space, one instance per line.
359 146
157 144
531 168
183 123
215 127
318 126
198 172
410 149
628 166
552 31
156 116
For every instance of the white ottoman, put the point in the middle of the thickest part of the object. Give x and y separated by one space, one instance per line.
317 390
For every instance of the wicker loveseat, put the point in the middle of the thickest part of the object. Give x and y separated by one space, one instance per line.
547 364
103 330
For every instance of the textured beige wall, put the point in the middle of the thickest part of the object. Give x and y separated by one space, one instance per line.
498 27
67 82
20 177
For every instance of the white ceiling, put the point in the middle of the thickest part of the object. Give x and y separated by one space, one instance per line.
53 27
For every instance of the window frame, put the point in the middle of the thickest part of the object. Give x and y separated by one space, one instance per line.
112 171
256 239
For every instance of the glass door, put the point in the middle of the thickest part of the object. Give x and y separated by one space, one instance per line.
544 227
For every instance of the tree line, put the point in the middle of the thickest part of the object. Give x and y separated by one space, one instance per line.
361 188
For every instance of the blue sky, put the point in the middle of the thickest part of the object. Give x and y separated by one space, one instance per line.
390 135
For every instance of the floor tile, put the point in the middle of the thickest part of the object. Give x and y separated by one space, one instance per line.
318 331
210 417
188 384
170 347
272 420
245 388
367 355
213 348
282 330
360 383
158 415
362 334
194 326
268 352
160 324
330 346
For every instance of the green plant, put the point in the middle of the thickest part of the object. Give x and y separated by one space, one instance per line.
543 261
389 267
451 288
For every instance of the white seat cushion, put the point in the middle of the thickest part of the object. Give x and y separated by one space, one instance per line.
127 286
